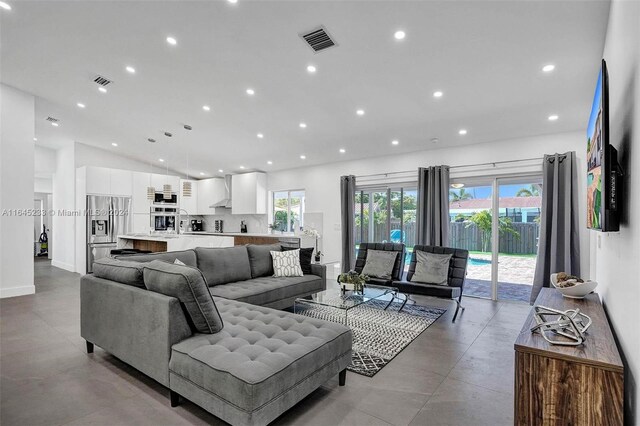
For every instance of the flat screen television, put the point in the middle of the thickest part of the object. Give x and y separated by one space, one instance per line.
603 170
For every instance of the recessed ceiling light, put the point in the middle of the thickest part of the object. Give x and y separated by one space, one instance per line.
35 139
242 167
55 124
202 173
102 90
151 140
269 162
161 160
114 144
399 35
548 68
172 41
342 150
303 157
260 135
360 112
81 105
5 6
553 117
462 132
130 69
435 140
220 171
394 142
311 69
233 1
206 107
437 94
251 92
303 125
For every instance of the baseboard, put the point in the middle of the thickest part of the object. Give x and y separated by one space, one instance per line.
17 291
66 266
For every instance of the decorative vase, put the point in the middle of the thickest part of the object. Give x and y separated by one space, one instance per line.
317 258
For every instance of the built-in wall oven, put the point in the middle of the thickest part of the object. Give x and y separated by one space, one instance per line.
164 213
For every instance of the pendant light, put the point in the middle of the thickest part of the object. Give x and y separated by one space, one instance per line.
186 184
151 191
166 188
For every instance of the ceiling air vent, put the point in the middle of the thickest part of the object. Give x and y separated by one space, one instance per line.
318 39
52 119
102 81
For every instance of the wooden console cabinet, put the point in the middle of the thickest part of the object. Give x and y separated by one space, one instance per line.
568 385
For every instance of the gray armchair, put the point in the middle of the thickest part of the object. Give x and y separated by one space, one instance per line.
455 281
398 267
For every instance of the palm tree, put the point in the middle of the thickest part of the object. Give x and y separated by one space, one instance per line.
531 191
460 195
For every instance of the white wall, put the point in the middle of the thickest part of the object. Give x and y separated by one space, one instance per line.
43 185
17 125
64 181
44 161
616 256
87 155
322 189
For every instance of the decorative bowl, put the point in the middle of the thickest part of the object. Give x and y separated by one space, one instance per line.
578 291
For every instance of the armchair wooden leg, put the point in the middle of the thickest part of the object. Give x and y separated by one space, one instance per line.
342 377
175 398
89 347
458 307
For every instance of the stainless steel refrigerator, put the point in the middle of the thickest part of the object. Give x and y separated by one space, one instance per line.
107 217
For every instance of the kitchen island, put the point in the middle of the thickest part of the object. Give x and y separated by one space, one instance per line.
173 242
240 238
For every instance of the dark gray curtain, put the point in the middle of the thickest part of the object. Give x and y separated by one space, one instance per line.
559 242
432 217
347 219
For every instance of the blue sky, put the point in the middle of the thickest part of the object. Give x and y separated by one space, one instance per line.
485 191
595 107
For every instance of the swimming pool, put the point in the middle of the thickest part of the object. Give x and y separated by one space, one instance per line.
478 262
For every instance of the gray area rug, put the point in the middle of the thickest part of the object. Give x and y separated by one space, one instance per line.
378 335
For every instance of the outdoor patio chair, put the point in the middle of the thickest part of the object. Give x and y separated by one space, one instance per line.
398 266
455 280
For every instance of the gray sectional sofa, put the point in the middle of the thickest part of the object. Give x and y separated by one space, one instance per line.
261 363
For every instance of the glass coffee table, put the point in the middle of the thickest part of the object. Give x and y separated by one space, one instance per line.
347 300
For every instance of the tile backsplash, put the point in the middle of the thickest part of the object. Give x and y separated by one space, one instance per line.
256 223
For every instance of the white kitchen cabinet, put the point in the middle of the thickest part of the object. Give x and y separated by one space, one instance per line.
190 204
121 182
141 223
210 191
159 180
249 193
139 198
98 180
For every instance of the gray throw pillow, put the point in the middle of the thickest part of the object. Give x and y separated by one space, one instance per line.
120 271
188 285
431 268
380 263
260 259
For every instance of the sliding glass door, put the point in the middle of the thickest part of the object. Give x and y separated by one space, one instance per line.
498 221
386 215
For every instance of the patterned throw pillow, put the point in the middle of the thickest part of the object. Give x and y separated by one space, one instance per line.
380 263
431 268
286 263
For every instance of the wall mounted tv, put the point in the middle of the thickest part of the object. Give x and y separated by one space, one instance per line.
603 170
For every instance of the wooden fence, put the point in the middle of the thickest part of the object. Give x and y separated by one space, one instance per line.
465 236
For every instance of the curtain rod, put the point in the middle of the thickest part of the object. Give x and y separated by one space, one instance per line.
493 163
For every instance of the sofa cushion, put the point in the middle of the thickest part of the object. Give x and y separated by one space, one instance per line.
380 263
261 353
121 271
305 258
186 284
265 290
188 257
260 259
431 268
286 264
224 265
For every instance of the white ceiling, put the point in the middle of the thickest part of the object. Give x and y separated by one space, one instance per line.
485 56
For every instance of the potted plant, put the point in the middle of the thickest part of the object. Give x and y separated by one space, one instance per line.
352 280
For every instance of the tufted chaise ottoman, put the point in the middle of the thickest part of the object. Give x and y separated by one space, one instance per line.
261 364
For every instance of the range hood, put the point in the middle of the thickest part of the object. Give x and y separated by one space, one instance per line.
226 201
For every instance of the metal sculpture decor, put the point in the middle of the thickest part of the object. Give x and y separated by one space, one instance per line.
571 324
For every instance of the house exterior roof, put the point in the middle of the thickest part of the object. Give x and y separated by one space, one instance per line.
505 202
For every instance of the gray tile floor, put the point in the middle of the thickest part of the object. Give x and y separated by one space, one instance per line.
452 374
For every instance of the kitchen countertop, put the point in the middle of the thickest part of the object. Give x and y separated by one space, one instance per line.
240 234
146 237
